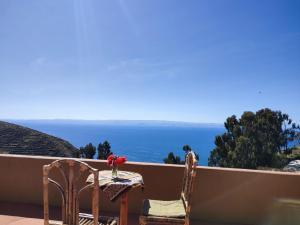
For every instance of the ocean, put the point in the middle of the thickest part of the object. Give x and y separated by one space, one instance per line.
137 140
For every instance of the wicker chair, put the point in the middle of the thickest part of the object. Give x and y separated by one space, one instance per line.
172 212
71 171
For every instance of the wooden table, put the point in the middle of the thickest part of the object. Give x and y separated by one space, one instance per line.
133 180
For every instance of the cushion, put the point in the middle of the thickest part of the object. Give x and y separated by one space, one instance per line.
174 209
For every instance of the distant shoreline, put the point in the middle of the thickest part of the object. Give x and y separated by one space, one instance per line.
146 123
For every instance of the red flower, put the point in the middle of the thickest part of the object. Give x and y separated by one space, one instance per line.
120 160
110 159
115 160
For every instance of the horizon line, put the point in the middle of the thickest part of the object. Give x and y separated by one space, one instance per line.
112 120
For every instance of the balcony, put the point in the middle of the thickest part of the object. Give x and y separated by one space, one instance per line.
221 196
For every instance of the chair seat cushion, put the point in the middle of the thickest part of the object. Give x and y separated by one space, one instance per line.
158 208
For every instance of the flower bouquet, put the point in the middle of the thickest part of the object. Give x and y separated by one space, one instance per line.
114 161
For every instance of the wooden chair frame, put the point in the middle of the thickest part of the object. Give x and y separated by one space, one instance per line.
186 195
188 181
69 190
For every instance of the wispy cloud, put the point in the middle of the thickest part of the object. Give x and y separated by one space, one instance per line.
38 62
138 62
45 63
124 64
140 69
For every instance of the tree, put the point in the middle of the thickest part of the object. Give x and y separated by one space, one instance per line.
104 150
297 138
172 159
88 151
255 140
187 149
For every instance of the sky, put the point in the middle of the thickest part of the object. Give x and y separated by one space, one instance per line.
194 61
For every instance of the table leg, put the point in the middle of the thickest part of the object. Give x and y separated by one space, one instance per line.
124 209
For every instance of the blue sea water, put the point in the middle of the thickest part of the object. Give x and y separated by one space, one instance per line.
143 143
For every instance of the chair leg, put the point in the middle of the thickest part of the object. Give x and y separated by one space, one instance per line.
187 222
141 221
45 196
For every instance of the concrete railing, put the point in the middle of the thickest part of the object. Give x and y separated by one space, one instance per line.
220 195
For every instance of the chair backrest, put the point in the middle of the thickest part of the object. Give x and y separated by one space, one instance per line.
71 171
188 180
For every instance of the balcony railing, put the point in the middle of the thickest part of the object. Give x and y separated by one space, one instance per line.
220 196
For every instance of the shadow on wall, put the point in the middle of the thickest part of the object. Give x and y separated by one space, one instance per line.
284 212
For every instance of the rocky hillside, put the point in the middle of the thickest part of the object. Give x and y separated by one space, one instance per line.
15 139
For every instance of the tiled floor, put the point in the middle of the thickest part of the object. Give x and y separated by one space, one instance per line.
14 220
26 214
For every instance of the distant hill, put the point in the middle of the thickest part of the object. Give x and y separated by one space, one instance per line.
15 139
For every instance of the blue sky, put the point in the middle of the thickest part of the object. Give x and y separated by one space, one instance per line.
196 61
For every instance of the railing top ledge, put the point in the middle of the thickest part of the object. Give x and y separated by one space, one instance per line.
203 168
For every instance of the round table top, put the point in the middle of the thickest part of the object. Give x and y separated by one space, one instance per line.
115 187
123 177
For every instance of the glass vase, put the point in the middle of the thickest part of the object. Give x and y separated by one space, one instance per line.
114 172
